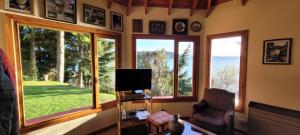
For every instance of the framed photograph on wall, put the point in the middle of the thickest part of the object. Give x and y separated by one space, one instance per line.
137 25
157 27
23 6
94 15
277 51
180 26
116 20
61 10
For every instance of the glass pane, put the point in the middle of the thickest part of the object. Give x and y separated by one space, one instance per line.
56 69
185 68
159 56
225 64
107 65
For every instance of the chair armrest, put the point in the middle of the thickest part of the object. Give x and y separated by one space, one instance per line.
229 115
200 106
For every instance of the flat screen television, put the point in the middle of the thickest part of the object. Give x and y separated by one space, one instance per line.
133 79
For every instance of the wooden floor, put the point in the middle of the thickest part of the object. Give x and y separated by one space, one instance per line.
113 131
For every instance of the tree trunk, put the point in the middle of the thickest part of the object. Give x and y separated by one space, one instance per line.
80 76
60 59
32 62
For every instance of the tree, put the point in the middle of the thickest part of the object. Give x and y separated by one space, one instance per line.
106 62
226 78
185 82
162 77
60 59
31 39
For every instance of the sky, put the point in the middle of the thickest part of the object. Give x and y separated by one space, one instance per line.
226 47
154 44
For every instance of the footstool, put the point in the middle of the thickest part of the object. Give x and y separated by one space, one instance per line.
159 120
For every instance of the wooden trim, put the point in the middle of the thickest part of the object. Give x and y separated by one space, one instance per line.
244 2
95 71
11 23
129 6
243 63
208 8
170 6
177 39
109 3
194 5
44 23
54 121
146 6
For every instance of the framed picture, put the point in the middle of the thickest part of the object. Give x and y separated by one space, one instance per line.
196 26
157 27
94 15
23 6
180 26
116 21
277 51
61 10
137 25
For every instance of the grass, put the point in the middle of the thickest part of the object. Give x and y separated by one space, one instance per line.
48 97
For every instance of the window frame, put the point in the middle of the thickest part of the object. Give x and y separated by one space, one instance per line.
243 63
11 24
196 53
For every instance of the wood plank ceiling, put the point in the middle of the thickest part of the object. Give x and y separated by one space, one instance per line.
170 4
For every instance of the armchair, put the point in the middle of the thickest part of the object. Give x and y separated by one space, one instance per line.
215 112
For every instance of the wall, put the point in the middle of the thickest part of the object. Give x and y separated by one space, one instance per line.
88 123
276 85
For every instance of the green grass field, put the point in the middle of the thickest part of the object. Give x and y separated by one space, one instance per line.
48 97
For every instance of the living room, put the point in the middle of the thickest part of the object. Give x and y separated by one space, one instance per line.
263 82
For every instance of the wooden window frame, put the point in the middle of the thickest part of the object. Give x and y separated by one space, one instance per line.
243 63
12 41
196 53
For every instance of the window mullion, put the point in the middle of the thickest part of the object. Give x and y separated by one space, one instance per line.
176 69
96 103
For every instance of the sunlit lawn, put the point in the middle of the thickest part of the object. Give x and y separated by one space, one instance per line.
48 97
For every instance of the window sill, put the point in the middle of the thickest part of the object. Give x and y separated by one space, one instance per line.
49 120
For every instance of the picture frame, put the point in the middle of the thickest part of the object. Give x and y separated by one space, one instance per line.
157 27
22 6
196 26
277 51
116 21
61 10
180 26
137 25
93 15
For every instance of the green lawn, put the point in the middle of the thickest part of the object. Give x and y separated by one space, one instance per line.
48 97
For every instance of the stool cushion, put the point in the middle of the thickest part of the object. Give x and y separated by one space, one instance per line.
160 118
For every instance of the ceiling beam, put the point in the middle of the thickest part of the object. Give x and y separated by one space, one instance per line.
244 2
129 5
109 3
194 5
170 7
146 6
208 8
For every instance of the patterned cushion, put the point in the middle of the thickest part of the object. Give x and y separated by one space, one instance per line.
160 118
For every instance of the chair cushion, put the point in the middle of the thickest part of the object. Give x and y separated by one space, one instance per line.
219 99
210 116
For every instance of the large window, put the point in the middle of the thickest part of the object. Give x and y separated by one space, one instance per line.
59 68
227 64
173 62
107 63
56 70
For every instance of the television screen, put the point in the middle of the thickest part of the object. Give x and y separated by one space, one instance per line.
133 79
